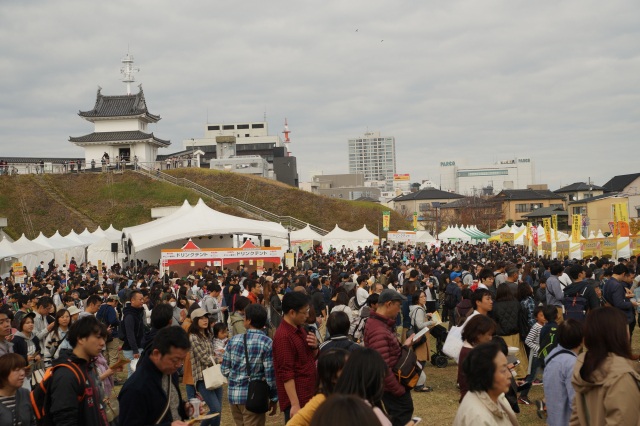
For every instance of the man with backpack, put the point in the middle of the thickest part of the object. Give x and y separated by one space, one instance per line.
452 296
71 392
580 296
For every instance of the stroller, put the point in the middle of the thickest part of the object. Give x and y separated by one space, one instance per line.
439 358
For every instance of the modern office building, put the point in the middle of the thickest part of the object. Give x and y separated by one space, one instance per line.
250 139
375 157
517 173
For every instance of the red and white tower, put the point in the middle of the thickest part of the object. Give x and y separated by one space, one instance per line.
286 132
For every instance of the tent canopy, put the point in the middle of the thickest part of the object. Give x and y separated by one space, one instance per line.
196 221
305 233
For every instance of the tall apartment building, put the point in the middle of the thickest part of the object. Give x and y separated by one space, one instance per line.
375 157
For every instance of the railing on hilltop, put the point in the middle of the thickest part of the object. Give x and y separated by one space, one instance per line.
288 222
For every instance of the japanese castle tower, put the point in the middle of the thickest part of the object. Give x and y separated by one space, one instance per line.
121 125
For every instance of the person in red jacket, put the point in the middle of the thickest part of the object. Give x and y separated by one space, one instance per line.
379 334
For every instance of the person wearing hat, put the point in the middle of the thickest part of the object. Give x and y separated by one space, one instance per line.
201 355
26 343
379 334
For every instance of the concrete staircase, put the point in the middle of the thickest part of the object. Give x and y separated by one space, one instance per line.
288 222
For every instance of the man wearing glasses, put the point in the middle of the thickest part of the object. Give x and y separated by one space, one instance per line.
294 355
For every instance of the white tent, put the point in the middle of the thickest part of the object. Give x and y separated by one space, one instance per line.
453 233
302 239
365 235
424 237
87 237
66 248
98 233
101 250
7 256
31 253
148 239
112 233
337 238
305 234
505 228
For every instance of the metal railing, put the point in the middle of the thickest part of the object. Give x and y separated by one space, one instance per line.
291 223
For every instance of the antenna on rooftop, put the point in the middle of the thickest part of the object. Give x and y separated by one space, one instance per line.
127 71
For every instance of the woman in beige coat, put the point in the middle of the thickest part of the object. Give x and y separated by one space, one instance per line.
606 380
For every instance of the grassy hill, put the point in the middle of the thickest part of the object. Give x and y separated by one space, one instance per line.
34 203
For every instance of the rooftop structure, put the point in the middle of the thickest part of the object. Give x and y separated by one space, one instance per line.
120 125
488 179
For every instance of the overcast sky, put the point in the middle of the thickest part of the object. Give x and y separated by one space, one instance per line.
557 81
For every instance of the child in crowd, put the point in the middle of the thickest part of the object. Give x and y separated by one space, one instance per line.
220 339
541 292
533 342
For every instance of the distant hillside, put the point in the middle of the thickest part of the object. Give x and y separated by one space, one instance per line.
34 203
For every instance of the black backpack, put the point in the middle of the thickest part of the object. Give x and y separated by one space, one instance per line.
575 306
547 344
450 300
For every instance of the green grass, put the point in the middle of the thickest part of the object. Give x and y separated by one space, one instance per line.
127 199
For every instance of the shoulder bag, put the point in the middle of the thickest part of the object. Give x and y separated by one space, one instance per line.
213 377
258 394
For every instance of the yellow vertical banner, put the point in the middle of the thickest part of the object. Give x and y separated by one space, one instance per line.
415 221
575 228
528 237
620 220
546 224
386 220
554 225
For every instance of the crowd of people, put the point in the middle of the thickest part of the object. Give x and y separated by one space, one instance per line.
321 341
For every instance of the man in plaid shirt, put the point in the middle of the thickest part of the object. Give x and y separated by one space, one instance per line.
234 367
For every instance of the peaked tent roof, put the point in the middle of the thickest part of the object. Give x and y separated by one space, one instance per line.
424 237
6 249
620 182
196 221
453 233
23 246
337 233
305 233
364 234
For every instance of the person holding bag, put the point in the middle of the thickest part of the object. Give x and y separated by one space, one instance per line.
248 364
202 357
420 320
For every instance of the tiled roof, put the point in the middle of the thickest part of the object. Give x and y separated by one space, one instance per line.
579 186
546 212
528 194
596 198
119 106
428 194
468 202
619 183
118 136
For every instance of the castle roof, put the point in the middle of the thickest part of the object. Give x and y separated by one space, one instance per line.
123 137
119 106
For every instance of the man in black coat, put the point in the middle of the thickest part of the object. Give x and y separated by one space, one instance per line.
152 394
